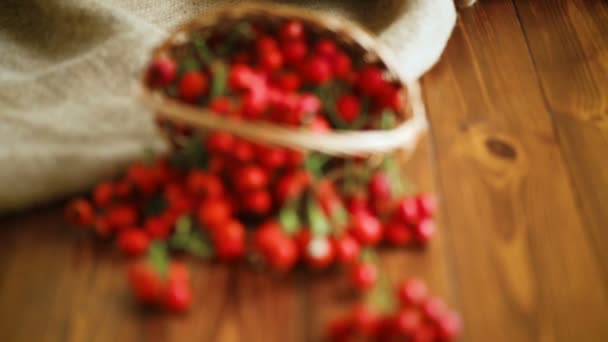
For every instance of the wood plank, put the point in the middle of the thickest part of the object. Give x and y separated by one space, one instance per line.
568 43
524 266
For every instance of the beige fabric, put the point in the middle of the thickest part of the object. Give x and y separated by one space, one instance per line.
67 113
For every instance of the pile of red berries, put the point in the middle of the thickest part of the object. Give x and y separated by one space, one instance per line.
285 73
217 196
416 317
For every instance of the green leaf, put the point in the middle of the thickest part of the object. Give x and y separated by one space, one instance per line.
183 225
319 225
388 119
187 239
220 75
340 215
159 258
189 64
314 163
381 298
202 50
395 175
289 219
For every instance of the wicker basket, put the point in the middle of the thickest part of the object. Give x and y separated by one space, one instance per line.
338 142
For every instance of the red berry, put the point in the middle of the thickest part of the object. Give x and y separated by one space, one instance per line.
265 44
243 151
214 212
254 103
319 124
221 105
326 48
295 159
157 227
316 70
319 252
407 321
160 72
425 229
80 212
425 333
434 309
407 210
294 51
370 81
348 108
449 327
241 77
341 65
201 183
122 216
427 205
347 249
364 321
250 177
271 157
412 292
146 285
398 233
292 30
309 103
279 251
178 295
133 242
271 60
391 98
358 203
142 177
340 330
229 240
288 81
193 85
366 228
123 189
363 276
102 227
220 142
380 187
103 193
258 202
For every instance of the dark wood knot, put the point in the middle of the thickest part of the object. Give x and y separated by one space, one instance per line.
501 149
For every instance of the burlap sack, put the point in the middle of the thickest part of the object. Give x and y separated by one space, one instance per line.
68 116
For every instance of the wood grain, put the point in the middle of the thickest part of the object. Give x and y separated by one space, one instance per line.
518 108
570 53
525 267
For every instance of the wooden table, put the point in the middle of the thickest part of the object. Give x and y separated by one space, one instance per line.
518 108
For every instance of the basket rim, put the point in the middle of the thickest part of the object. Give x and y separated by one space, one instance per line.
335 142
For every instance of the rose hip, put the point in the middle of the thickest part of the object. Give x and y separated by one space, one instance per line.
413 291
192 86
220 142
203 184
122 216
229 240
258 202
347 249
103 193
326 48
161 72
214 212
380 187
425 229
157 227
292 30
370 81
250 177
364 275
316 70
80 212
407 321
366 228
147 286
348 108
407 210
341 65
398 233
178 295
294 51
